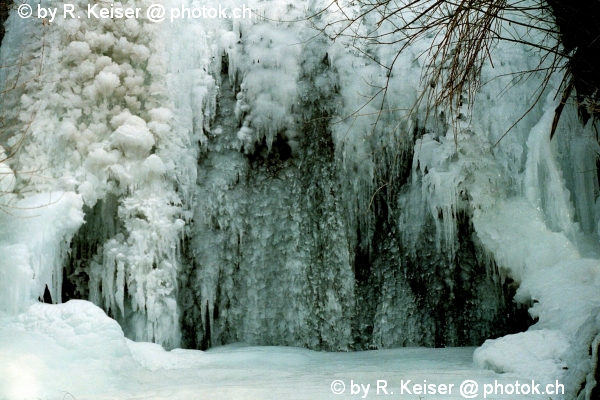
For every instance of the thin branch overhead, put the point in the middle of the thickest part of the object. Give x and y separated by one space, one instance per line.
463 34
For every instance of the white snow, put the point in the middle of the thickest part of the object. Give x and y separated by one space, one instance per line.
75 350
133 138
540 354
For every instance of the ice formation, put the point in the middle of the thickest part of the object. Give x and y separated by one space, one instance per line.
237 186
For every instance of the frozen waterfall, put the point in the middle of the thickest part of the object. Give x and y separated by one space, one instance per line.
215 181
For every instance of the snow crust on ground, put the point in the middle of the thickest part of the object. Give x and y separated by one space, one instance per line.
74 350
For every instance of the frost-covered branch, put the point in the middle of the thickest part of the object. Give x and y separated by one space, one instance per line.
462 36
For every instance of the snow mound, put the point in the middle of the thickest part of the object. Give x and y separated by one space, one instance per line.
51 349
153 356
77 324
537 354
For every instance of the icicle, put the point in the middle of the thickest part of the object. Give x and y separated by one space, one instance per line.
584 153
544 184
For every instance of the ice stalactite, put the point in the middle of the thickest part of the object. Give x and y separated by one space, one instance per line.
312 229
537 239
544 185
271 261
91 111
34 243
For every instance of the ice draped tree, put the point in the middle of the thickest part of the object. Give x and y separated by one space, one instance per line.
465 33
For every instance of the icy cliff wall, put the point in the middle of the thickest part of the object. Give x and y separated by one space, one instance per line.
88 110
403 212
245 180
330 220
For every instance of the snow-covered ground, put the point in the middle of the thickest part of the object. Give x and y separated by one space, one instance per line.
74 351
